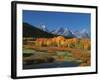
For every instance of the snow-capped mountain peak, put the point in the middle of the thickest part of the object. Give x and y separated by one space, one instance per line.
58 31
43 27
64 32
82 34
68 32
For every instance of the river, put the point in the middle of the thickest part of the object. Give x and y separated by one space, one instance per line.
52 65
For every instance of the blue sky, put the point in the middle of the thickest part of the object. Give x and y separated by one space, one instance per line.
54 20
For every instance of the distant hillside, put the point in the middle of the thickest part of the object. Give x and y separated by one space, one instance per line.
32 31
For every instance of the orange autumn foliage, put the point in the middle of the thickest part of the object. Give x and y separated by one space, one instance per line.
60 41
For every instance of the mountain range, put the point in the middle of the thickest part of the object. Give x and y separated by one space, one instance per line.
67 33
43 31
